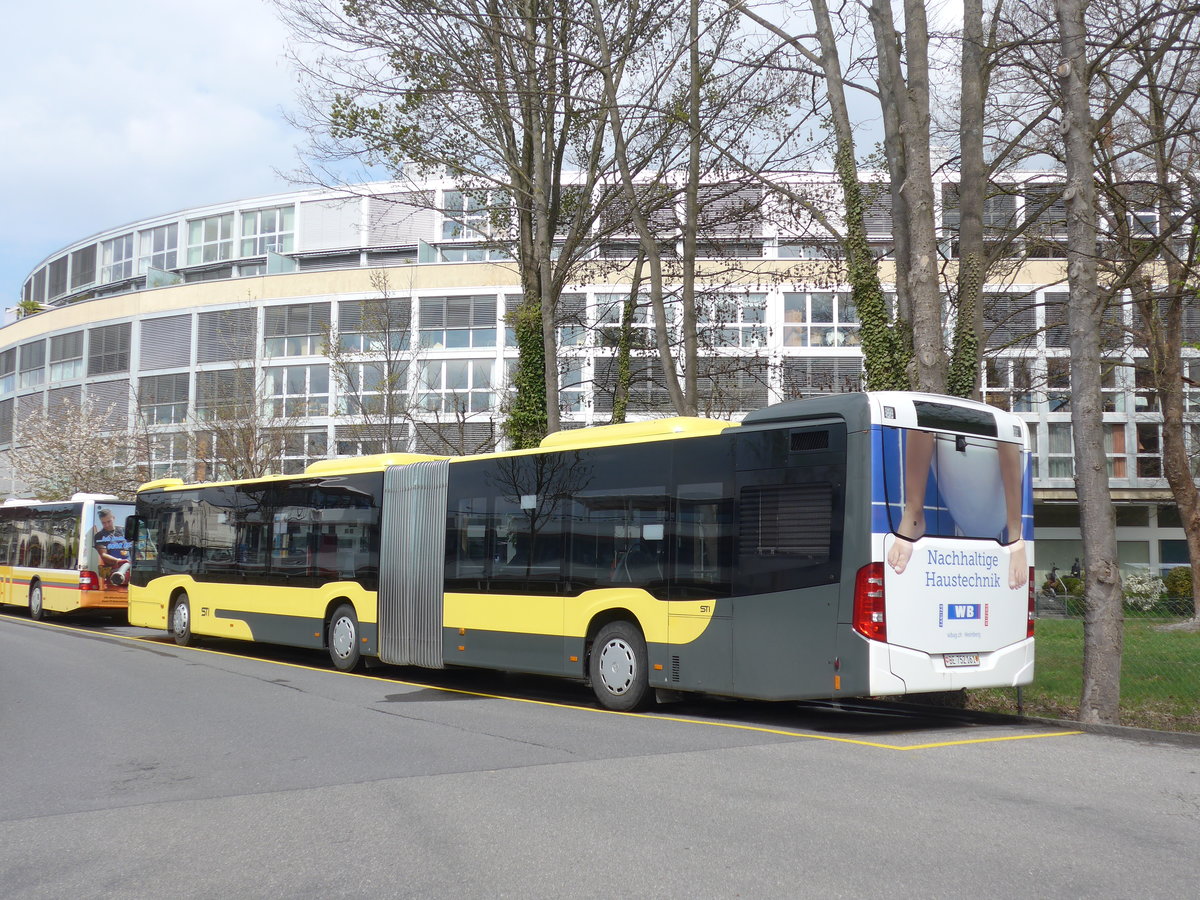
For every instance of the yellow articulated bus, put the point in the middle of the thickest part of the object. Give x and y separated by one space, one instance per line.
63 556
844 546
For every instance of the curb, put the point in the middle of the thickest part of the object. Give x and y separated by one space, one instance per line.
1125 732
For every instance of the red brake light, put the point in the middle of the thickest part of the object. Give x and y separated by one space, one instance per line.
870 619
89 581
1032 605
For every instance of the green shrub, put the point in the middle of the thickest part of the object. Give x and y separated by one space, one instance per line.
1072 585
1178 582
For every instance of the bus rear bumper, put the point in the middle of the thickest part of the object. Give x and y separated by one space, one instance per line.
900 670
103 599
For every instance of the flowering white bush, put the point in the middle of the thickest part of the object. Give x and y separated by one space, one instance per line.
1142 591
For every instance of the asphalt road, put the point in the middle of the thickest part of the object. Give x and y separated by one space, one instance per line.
133 768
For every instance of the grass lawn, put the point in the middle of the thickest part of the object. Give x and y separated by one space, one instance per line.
1160 676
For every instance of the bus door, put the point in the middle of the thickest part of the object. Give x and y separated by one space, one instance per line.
790 499
412 561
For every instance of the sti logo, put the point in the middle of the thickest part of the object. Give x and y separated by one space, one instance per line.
964 611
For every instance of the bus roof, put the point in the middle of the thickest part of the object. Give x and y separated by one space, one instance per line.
633 432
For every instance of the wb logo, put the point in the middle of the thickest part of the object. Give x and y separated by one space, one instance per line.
963 610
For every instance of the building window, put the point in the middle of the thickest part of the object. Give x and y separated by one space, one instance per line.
1114 449
163 399
116 258
210 239
610 310
8 371
297 390
463 254
571 385
224 394
571 319
1193 436
108 349
1058 384
458 322
1149 446
647 386
466 216
1060 452
83 266
57 278
303 448
66 356
1112 397
225 335
169 456
268 229
806 250
158 247
1146 397
373 389
458 386
374 326
298 330
733 321
1008 384
819 319
33 364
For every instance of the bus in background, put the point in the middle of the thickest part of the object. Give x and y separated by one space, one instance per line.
850 545
63 556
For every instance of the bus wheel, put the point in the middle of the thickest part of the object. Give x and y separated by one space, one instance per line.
343 638
37 610
617 668
181 621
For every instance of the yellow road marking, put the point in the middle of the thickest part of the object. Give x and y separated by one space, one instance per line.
610 712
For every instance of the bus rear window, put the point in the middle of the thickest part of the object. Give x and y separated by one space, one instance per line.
948 485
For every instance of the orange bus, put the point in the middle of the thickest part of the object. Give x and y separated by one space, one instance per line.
63 556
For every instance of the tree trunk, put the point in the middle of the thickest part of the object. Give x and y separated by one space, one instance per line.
1103 624
691 217
963 378
886 344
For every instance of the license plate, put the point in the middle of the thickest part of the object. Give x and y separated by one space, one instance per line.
961 659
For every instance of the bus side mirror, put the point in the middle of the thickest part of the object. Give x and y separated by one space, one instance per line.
131 529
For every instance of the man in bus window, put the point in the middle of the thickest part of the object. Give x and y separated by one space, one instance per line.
111 545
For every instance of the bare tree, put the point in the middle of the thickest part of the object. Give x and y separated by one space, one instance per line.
370 356
239 431
502 100
1103 623
1147 159
60 451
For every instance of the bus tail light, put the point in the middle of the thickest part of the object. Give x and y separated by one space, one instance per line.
89 581
1032 605
870 619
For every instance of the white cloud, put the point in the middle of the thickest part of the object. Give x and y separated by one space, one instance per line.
113 112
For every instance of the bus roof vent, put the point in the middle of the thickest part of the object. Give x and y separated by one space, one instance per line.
807 441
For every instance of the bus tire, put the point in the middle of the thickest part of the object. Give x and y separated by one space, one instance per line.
343 638
37 605
181 621
617 668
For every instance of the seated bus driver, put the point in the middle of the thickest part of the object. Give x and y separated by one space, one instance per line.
918 458
110 544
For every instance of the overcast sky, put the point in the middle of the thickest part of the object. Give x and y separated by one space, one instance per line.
112 112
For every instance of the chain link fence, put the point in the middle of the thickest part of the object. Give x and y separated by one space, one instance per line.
1160 662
